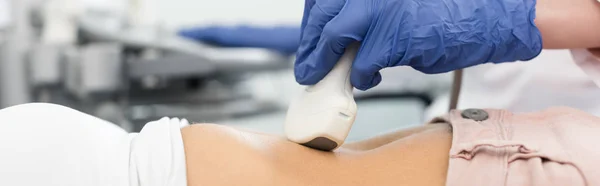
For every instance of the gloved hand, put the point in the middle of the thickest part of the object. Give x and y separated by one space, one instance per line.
282 39
432 36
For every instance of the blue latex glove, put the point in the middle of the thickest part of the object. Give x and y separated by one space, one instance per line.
282 39
432 36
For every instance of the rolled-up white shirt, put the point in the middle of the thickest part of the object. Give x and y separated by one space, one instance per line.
45 144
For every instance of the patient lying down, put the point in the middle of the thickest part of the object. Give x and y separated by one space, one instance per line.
59 146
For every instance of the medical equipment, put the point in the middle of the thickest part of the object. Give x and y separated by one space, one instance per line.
18 36
455 92
322 116
95 61
168 75
162 74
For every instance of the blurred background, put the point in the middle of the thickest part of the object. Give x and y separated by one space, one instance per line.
123 61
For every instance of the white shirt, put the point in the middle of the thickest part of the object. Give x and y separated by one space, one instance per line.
554 78
51 145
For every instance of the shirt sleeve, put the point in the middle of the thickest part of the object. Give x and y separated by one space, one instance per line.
589 62
157 154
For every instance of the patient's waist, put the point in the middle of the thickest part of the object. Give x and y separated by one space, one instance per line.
548 147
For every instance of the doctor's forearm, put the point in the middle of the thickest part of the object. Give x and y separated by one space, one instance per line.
569 23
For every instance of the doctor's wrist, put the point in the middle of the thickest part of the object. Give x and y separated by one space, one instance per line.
567 24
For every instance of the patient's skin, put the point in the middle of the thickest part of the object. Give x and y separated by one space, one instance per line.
221 155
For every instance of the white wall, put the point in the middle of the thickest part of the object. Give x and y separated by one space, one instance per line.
4 13
176 13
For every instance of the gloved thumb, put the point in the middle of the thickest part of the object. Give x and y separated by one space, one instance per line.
365 74
316 59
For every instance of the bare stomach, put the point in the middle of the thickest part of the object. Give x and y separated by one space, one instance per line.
220 155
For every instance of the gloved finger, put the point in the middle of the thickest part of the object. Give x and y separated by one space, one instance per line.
320 14
308 5
371 58
347 27
367 64
365 74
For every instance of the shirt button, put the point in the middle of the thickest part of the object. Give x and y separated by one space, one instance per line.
475 114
